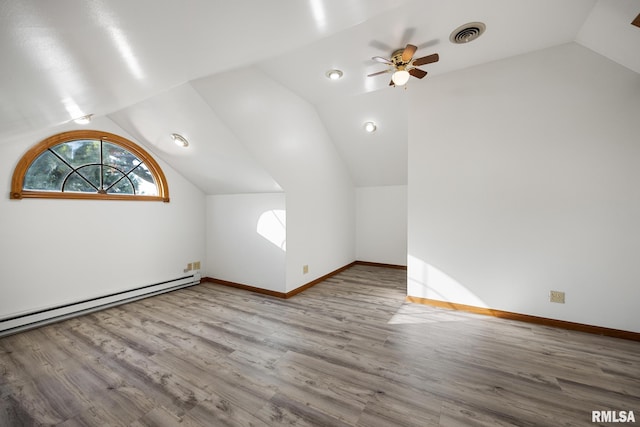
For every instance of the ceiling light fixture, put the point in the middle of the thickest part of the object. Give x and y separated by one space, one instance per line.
84 120
400 77
180 140
334 74
370 127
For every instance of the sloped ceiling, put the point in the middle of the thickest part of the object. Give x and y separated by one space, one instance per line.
135 62
215 152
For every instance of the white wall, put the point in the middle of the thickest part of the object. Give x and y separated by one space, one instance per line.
246 242
60 251
287 137
528 181
381 224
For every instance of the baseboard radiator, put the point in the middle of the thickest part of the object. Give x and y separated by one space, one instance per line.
22 321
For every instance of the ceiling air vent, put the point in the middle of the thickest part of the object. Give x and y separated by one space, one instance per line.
467 32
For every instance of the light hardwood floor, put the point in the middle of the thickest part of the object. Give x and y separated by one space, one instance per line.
347 352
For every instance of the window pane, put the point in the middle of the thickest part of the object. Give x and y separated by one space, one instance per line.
76 184
143 181
46 173
122 187
79 153
110 175
91 173
118 157
144 173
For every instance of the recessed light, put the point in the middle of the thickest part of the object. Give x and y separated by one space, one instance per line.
84 120
180 140
334 74
370 127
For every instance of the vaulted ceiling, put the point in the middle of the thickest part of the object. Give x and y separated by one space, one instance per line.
155 68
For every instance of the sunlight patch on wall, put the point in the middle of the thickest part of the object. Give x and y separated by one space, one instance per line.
426 281
272 225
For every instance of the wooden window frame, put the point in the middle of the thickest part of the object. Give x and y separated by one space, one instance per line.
17 183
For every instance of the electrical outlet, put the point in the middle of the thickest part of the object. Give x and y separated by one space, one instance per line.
556 296
189 267
196 265
305 269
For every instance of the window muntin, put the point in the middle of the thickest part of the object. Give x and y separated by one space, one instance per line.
88 164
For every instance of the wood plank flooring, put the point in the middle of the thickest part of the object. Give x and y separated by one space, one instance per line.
347 352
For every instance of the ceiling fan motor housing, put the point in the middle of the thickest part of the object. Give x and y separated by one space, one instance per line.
396 58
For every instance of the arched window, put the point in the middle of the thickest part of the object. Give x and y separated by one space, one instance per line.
88 164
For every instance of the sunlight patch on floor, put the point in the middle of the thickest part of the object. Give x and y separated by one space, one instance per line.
410 313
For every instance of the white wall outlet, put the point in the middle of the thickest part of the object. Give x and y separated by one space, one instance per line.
556 296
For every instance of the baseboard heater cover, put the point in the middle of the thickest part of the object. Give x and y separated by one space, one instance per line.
20 322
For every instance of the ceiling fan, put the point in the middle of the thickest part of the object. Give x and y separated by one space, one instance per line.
404 66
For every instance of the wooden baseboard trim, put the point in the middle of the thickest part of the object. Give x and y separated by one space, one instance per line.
244 287
275 293
303 287
318 280
379 264
562 324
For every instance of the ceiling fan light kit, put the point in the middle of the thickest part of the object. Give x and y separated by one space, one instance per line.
400 77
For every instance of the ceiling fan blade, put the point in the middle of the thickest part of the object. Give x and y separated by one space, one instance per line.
378 73
383 60
417 72
426 59
408 52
